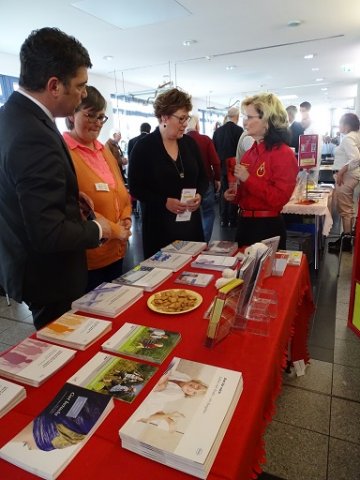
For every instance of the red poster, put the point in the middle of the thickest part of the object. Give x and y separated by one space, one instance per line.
308 151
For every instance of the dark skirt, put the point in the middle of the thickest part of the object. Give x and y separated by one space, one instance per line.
251 230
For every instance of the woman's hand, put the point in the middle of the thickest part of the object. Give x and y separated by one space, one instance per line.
241 172
194 203
175 206
125 231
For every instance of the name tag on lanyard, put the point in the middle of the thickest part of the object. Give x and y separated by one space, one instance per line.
102 187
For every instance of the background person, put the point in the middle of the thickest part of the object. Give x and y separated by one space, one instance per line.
266 173
99 177
145 128
42 235
347 162
226 139
296 129
212 169
113 145
162 164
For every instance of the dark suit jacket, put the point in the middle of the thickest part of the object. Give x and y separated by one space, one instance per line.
225 140
296 129
42 237
133 141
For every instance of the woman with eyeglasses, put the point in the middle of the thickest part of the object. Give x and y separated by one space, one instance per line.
163 164
101 183
266 173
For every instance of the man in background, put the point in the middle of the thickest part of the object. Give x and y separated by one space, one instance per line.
212 168
43 237
113 145
296 129
145 128
225 140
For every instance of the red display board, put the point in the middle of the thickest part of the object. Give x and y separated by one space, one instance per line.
354 305
308 151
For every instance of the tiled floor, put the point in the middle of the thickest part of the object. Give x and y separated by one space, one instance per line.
315 434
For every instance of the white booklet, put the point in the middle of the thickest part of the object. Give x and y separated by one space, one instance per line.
74 331
195 279
10 395
146 343
185 246
144 277
183 420
48 443
186 195
214 262
111 375
108 299
221 247
172 261
32 361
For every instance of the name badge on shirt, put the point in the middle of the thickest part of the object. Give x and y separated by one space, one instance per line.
102 187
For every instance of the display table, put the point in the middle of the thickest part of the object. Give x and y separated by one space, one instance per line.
260 359
320 209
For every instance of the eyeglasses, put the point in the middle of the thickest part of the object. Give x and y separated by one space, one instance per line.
249 117
182 120
93 118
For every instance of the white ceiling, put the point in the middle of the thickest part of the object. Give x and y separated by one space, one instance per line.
145 39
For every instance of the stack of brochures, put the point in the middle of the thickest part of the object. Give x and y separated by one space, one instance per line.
295 256
48 443
32 362
185 246
214 262
108 299
183 420
146 343
172 261
110 375
147 278
221 247
74 331
195 279
10 395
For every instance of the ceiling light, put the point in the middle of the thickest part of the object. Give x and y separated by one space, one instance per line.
108 58
294 23
231 67
188 43
315 69
208 57
347 68
309 56
319 79
324 89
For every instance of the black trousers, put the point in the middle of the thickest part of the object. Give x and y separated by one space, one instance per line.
228 210
252 229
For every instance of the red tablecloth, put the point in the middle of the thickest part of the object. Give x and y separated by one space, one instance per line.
259 358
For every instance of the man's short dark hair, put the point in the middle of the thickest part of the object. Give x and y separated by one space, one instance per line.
306 105
352 120
47 53
145 127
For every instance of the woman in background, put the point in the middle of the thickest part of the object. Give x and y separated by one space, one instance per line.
266 173
347 162
164 163
100 179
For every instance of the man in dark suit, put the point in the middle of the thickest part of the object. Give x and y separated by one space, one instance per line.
43 237
144 130
296 129
225 140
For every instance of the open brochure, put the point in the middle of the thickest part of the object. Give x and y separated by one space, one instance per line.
183 420
49 442
172 261
185 246
214 262
144 277
146 343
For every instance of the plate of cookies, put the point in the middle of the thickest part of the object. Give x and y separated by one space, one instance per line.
174 301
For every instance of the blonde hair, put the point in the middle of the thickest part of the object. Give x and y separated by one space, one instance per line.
270 109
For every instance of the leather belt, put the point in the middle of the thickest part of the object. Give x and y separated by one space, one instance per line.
258 213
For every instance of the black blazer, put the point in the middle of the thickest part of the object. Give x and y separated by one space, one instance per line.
226 139
133 141
42 237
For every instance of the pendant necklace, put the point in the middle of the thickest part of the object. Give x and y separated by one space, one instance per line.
181 170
